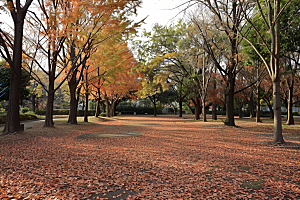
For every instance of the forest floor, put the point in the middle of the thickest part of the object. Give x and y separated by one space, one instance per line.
146 157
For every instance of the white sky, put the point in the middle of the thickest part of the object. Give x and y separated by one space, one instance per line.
160 11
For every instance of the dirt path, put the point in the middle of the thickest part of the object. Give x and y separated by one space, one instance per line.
162 157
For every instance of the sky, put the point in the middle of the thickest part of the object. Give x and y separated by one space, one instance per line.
159 11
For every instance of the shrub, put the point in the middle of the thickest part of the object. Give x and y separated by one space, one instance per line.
24 110
2 119
103 114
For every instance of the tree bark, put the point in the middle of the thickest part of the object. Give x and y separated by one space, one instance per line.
203 109
240 104
290 119
49 107
251 105
258 106
102 106
98 107
107 107
12 124
73 103
33 96
86 107
197 109
180 107
230 100
277 112
214 111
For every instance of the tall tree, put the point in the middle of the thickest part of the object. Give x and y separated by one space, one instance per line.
18 13
270 13
227 16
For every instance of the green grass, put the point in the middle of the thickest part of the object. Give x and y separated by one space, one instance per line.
255 185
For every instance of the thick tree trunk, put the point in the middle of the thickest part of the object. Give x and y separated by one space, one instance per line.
12 124
73 104
258 106
113 109
290 119
197 109
214 111
50 99
277 112
49 107
230 101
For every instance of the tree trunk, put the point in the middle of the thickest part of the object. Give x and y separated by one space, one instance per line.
102 106
277 112
49 106
214 111
251 105
155 109
271 110
290 119
86 107
113 108
230 101
33 96
12 124
240 104
107 107
98 107
258 106
180 107
203 109
152 98
73 103
197 109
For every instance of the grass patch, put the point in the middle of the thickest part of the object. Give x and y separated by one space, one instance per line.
245 168
255 185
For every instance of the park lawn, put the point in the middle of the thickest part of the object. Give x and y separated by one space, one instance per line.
163 157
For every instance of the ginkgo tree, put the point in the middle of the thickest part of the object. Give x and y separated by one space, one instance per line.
96 22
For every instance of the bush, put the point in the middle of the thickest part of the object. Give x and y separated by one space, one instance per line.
24 110
27 116
103 114
65 112
23 117
138 110
2 119
81 112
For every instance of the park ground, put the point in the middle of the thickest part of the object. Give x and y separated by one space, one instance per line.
163 157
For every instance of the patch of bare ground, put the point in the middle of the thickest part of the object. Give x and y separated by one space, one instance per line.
175 158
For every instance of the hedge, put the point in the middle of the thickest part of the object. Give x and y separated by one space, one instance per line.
23 117
65 112
137 110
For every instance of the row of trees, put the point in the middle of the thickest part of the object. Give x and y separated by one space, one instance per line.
240 43
82 43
